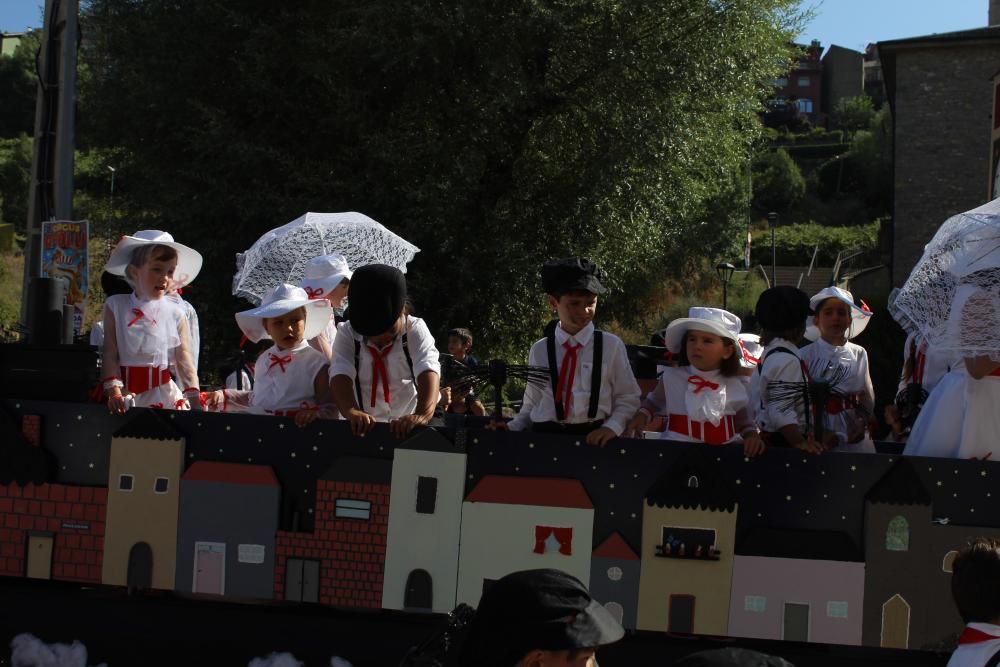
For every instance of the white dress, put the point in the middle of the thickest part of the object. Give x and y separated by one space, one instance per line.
146 332
846 367
284 380
702 406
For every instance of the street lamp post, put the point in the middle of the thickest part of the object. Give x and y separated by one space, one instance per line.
772 222
725 271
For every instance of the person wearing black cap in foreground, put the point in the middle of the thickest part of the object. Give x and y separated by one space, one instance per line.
780 386
732 657
385 366
592 390
537 618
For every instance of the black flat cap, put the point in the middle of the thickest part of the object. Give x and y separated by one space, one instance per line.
572 273
782 308
376 297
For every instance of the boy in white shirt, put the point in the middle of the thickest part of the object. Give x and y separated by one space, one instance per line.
385 365
975 587
592 389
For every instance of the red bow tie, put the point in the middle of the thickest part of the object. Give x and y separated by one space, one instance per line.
973 636
281 362
314 292
701 383
138 316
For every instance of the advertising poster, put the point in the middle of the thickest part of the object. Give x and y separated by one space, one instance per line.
64 256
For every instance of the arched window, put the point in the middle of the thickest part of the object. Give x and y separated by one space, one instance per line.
615 610
897 534
948 561
693 482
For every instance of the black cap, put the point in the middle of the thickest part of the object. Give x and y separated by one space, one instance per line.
782 308
538 609
732 657
376 296
572 273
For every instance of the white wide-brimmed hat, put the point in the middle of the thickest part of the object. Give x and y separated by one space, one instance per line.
751 348
188 259
714 320
324 273
860 315
284 299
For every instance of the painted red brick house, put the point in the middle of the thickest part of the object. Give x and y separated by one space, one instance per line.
342 561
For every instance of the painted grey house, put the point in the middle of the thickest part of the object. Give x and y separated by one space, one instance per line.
226 529
614 578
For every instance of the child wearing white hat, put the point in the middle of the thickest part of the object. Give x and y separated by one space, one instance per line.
290 377
143 328
703 399
832 359
327 277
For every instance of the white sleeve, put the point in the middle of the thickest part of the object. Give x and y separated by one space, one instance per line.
422 349
343 352
625 393
532 392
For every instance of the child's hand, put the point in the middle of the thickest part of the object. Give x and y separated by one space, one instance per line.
753 445
401 427
116 403
306 416
601 436
215 401
830 440
809 445
856 432
636 425
445 398
361 422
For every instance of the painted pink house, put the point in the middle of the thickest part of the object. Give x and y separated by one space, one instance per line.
815 596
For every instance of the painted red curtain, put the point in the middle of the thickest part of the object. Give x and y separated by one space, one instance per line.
563 535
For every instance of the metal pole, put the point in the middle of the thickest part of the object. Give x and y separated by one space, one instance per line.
725 290
774 259
66 118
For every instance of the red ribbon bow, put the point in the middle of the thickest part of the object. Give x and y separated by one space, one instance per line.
138 316
701 383
746 353
567 374
314 293
278 361
379 373
865 307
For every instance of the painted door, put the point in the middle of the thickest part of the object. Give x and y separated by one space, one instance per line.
140 566
681 616
39 557
209 568
419 591
302 580
796 622
896 623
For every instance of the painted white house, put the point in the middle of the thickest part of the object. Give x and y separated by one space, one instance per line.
521 523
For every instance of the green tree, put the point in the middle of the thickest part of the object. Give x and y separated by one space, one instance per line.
18 88
853 113
492 135
15 178
777 182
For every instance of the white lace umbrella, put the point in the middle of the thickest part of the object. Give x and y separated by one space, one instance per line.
280 255
952 297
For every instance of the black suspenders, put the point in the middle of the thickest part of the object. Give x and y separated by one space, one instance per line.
595 374
357 366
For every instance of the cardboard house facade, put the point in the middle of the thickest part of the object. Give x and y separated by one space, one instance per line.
614 578
228 550
425 520
522 523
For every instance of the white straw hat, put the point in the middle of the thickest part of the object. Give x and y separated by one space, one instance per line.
324 273
860 315
714 320
751 348
284 299
188 259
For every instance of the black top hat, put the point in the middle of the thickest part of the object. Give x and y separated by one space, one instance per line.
537 609
782 308
376 296
572 273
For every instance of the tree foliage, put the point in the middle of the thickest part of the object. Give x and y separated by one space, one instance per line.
492 135
778 184
853 113
17 87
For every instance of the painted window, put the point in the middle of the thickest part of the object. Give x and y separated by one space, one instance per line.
756 603
427 488
684 541
615 573
161 485
836 609
948 561
897 534
349 508
615 610
693 482
126 482
550 539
